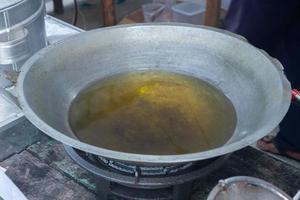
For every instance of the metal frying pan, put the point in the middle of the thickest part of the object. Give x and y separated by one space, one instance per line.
252 80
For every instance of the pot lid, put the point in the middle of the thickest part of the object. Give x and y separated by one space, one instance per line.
8 3
246 188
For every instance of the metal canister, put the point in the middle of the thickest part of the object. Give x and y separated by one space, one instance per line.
22 33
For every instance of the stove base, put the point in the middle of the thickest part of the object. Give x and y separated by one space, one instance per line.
115 184
107 190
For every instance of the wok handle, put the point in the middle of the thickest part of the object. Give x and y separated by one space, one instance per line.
296 96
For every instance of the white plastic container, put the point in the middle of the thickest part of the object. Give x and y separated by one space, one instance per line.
189 12
168 4
152 11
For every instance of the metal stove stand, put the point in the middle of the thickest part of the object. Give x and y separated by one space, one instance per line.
130 181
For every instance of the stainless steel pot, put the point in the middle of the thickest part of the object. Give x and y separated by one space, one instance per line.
253 81
22 33
247 188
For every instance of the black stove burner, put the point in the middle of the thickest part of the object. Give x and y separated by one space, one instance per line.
127 181
144 170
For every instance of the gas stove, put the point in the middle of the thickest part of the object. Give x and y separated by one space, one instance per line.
130 181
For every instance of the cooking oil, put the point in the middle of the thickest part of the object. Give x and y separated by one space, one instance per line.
153 112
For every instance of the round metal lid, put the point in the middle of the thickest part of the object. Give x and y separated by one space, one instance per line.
8 3
246 188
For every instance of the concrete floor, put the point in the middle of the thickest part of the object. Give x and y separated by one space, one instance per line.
90 14
41 169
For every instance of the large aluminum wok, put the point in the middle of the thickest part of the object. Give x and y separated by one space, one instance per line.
253 81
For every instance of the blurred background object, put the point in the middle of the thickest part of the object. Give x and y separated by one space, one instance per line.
91 14
152 11
22 33
189 12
